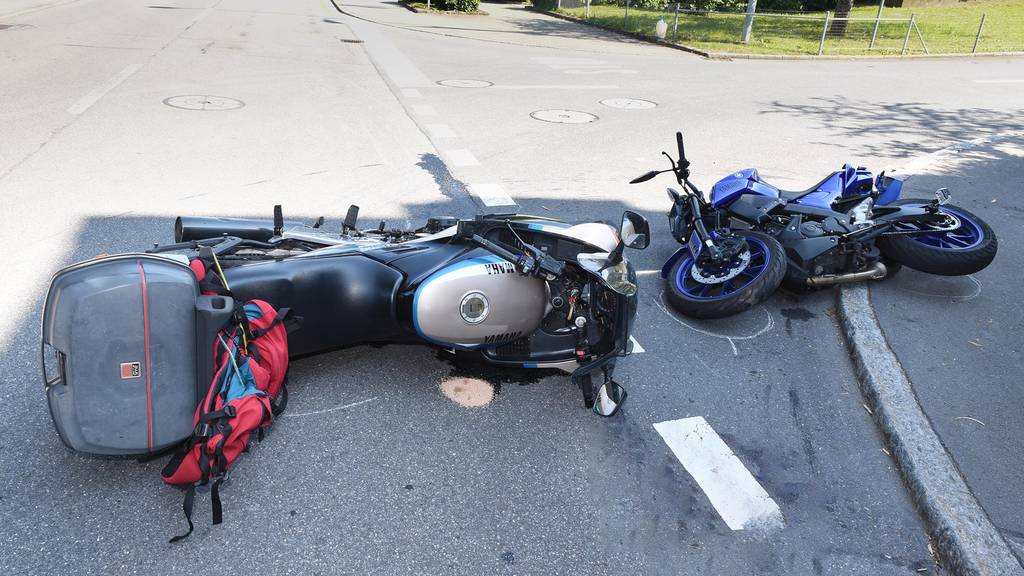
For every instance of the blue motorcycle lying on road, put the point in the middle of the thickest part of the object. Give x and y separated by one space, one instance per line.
749 237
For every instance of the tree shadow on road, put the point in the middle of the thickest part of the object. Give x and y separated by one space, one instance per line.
900 129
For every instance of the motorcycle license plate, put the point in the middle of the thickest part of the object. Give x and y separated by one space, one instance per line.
694 245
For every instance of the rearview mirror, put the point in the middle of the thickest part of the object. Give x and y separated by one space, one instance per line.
644 177
610 398
635 231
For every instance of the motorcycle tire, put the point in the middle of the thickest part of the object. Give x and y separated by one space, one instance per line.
700 300
964 251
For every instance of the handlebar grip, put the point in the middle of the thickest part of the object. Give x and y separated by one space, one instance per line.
495 249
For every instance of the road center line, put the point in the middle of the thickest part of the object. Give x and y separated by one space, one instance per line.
739 499
94 96
462 157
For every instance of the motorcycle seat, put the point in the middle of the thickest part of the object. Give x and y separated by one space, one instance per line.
791 195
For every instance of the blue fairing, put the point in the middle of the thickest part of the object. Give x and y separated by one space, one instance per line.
743 182
848 181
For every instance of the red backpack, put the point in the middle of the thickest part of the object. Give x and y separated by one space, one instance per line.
248 390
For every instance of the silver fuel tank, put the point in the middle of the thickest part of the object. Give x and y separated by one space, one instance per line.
478 302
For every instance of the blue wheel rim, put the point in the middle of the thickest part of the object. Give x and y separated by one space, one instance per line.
760 258
967 236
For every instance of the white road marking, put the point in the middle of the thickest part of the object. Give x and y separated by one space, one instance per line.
411 93
325 411
660 303
424 110
741 502
637 348
491 194
462 157
85 102
402 72
440 131
1000 81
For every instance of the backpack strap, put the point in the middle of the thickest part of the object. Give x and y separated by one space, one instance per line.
190 498
280 318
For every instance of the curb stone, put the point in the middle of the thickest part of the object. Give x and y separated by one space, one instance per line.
967 541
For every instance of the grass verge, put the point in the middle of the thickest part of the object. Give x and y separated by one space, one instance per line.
948 29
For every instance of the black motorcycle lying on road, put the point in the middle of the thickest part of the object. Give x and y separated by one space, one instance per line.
514 291
749 237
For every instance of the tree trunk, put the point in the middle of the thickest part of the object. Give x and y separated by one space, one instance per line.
838 27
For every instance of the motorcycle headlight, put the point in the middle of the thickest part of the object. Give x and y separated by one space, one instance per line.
614 276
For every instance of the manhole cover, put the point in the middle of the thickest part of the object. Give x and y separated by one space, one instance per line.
628 103
563 116
465 83
205 103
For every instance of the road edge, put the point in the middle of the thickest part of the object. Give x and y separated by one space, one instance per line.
967 541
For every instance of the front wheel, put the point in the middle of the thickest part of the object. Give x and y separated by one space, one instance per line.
748 279
966 249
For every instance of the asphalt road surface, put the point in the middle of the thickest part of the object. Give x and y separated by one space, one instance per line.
120 114
960 339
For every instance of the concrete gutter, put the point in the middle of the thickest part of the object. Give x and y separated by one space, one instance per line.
967 541
739 56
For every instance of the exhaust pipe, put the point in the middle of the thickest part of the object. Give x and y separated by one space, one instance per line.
187 228
877 271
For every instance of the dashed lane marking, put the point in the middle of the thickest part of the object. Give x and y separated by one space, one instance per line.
462 157
491 194
424 110
737 497
440 131
86 102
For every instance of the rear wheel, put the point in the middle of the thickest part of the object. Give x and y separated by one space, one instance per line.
967 248
748 279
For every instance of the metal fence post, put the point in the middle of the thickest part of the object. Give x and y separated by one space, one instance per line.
878 19
978 37
824 31
675 26
625 18
748 22
909 29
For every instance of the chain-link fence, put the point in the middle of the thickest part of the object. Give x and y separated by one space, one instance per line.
782 33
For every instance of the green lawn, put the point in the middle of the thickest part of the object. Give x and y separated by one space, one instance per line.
946 29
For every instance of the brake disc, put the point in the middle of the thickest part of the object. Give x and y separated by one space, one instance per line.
955 224
697 274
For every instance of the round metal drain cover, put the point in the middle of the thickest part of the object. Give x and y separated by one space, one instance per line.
563 116
628 103
465 83
204 103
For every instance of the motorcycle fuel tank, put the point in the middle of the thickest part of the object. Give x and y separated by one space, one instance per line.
478 302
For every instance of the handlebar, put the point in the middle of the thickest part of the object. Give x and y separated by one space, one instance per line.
537 262
495 249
